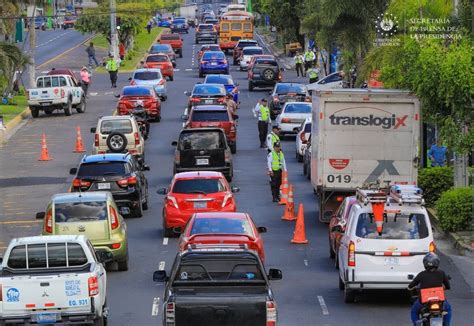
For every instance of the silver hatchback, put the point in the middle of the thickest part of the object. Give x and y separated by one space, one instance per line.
150 77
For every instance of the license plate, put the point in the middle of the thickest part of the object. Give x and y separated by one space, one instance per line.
213 63
200 204
104 185
209 101
392 261
436 321
45 103
46 318
202 161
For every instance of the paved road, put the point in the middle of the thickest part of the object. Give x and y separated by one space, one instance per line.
308 294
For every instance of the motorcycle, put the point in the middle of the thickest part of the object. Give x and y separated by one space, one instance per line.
432 311
141 116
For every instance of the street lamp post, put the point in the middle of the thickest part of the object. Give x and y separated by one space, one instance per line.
113 30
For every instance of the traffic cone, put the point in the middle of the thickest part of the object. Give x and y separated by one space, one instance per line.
289 212
284 188
299 236
44 150
79 145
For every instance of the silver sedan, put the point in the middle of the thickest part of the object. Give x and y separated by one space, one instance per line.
150 77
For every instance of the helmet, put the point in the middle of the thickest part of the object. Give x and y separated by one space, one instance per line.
431 261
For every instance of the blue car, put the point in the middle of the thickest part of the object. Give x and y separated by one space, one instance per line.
164 23
213 62
227 81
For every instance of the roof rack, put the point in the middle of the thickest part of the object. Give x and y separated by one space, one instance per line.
407 194
366 196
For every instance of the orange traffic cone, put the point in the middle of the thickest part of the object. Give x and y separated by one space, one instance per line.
299 236
284 188
44 150
289 212
79 145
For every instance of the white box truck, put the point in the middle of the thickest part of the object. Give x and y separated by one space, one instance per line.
361 136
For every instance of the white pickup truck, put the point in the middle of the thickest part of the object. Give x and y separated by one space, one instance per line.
53 279
56 92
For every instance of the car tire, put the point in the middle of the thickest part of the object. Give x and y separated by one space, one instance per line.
81 107
251 86
332 254
116 142
305 168
171 78
180 53
34 112
349 295
164 98
268 74
341 283
138 211
68 108
167 232
201 74
158 118
336 260
308 172
233 148
122 266
99 321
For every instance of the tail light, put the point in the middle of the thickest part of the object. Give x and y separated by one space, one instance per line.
177 157
286 120
194 99
432 247
130 181
133 82
351 254
339 199
79 183
280 77
63 93
227 199
115 246
48 222
137 138
93 285
227 156
114 222
170 313
204 62
302 137
172 201
162 82
96 140
434 306
275 99
271 313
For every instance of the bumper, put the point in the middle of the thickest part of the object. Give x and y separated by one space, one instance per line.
218 68
377 285
226 170
119 254
175 217
227 44
288 128
206 38
46 103
127 199
68 318
137 151
261 82
160 90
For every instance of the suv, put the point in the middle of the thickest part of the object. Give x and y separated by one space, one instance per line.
121 174
265 72
118 134
93 214
179 25
206 32
286 92
203 149
206 94
238 49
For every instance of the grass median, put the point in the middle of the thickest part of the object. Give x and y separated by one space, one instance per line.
142 43
10 111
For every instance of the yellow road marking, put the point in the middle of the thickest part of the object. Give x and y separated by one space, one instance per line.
20 221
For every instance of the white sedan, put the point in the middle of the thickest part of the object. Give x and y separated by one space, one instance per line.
302 138
292 115
247 54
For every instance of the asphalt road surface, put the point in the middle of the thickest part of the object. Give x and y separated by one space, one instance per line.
308 294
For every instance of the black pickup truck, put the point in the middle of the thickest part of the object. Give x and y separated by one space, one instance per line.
218 285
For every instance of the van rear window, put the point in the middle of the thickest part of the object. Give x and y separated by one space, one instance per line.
400 227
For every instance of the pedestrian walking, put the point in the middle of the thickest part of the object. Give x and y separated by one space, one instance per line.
262 113
308 59
85 80
437 154
91 54
299 59
273 137
148 26
276 165
112 67
313 74
122 51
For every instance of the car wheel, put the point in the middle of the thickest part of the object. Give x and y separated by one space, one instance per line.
268 74
145 203
250 86
138 211
233 148
68 109
332 254
349 295
99 321
122 266
158 118
164 98
171 78
81 107
341 283
308 173
336 260
34 112
167 232
116 142
181 53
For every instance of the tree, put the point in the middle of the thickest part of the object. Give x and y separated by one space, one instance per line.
11 60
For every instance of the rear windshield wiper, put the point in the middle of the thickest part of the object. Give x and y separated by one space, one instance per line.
110 173
197 192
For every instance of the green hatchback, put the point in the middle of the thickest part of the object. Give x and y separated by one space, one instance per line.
93 214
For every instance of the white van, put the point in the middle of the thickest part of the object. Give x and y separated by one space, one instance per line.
384 251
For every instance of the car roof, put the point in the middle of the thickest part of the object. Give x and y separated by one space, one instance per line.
147 69
80 196
213 52
209 108
208 84
229 215
137 86
48 239
109 157
198 174
116 117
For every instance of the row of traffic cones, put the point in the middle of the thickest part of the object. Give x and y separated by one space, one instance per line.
287 199
79 148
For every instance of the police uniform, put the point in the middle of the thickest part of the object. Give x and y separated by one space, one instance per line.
275 165
299 59
112 68
272 138
309 57
313 75
262 113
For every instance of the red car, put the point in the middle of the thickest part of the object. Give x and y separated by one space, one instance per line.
175 40
337 224
194 192
162 62
218 116
133 96
223 228
207 47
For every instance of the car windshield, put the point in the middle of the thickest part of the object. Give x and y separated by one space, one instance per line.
136 91
213 55
80 211
160 48
201 140
206 89
297 108
124 126
170 37
266 62
147 75
212 21
99 169
251 51
216 79
218 225
209 27
193 186
179 21
400 227
216 115
285 89
157 58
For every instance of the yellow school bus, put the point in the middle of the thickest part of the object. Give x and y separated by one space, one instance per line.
233 26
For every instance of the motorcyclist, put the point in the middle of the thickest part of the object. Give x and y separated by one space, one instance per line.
142 117
431 277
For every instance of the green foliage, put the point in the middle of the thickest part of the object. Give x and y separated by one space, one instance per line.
434 181
455 209
11 60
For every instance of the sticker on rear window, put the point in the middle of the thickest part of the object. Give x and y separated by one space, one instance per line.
72 287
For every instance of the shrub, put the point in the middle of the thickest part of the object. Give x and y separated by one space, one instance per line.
455 209
435 181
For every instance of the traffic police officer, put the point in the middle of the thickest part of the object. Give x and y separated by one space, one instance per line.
276 165
313 75
112 68
299 59
309 57
273 138
262 113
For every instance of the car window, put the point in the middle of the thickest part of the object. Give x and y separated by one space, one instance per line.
400 227
236 26
266 62
207 89
286 88
307 128
247 27
213 55
57 255
136 91
124 126
157 58
340 209
85 211
206 27
297 108
160 48
216 79
217 225
37 256
244 44
200 116
225 27
219 270
251 51
147 75
192 186
332 78
201 140
76 255
40 82
17 257
62 81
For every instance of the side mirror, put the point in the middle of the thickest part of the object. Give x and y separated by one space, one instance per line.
174 143
124 211
184 117
145 167
187 93
234 189
274 274
73 171
262 229
93 130
159 276
337 228
129 78
104 256
162 191
40 215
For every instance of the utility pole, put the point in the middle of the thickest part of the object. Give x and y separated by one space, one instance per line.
113 30
32 39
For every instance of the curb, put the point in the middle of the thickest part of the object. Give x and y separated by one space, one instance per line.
281 56
10 126
461 247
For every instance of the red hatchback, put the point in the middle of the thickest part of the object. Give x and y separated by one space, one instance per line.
218 116
161 61
337 224
223 228
134 96
194 192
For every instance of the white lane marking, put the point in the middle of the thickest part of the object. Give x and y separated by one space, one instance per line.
155 306
188 69
108 93
175 69
306 262
94 93
161 266
322 303
165 241
44 71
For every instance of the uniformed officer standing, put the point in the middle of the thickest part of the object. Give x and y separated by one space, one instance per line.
309 57
273 138
112 67
262 113
313 74
276 165
299 65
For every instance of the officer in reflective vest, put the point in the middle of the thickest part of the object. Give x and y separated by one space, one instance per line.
112 68
262 113
313 75
299 59
309 57
273 138
275 165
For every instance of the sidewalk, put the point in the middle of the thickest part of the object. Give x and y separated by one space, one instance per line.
268 41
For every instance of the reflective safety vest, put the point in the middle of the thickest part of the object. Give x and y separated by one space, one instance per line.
309 56
312 73
298 59
275 138
111 65
277 160
264 113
